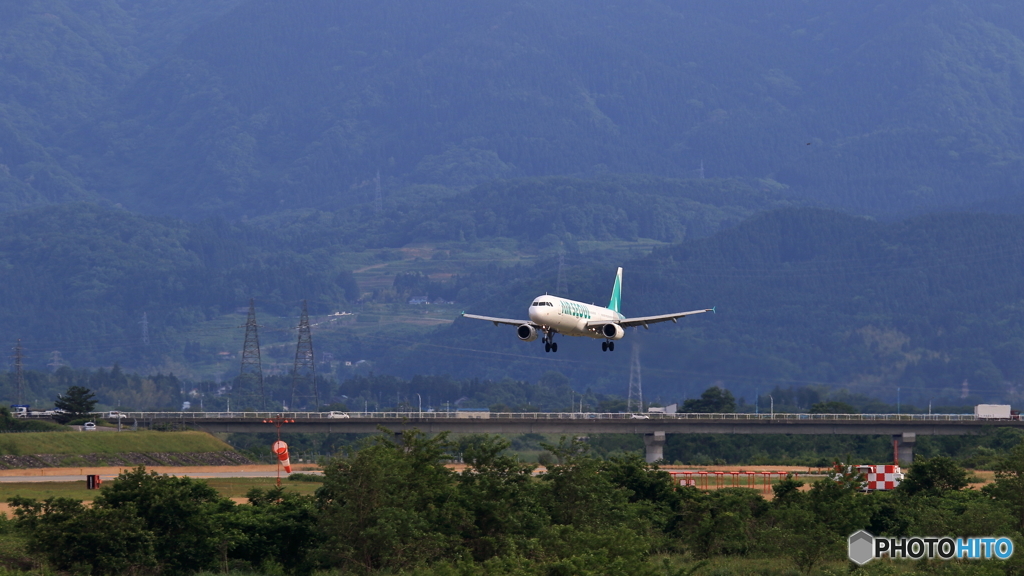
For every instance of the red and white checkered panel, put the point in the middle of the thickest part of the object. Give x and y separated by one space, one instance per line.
883 477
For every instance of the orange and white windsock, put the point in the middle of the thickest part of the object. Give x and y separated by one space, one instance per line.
281 449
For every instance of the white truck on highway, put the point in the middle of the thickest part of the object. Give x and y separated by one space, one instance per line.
25 411
994 412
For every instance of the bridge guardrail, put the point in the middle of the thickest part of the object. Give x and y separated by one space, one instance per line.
306 416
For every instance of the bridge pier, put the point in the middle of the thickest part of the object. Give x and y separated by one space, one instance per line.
655 444
905 447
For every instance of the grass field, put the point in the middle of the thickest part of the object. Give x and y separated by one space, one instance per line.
227 487
108 442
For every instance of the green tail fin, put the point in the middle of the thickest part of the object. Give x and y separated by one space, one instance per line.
616 300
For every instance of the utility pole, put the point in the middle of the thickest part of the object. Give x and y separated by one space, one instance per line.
252 365
378 198
145 330
636 395
19 374
305 367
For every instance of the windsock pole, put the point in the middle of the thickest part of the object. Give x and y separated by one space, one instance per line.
279 448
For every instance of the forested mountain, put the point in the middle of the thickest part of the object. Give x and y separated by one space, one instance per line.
247 107
60 63
540 212
78 278
899 108
467 151
931 305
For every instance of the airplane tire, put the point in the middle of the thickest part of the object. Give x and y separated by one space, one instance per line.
554 346
611 346
604 346
547 347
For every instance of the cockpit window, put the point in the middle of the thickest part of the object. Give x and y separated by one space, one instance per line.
535 304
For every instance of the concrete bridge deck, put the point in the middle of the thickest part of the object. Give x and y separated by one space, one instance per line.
901 427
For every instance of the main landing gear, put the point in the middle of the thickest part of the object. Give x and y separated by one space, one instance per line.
549 343
608 346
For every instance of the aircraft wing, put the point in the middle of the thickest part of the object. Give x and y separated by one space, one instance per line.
497 321
645 320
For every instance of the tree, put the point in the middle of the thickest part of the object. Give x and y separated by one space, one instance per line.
935 476
833 407
85 540
502 497
1009 484
76 403
181 512
714 400
278 526
391 505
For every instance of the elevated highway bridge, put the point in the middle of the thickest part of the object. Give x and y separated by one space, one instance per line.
903 428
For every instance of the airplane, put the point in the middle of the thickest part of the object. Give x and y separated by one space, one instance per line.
552 315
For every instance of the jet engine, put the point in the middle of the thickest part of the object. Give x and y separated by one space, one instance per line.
612 331
527 333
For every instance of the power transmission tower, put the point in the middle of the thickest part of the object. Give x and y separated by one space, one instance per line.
378 199
19 375
145 329
560 287
251 371
636 394
304 374
56 362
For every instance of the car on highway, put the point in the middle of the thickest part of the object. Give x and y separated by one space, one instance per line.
89 427
337 415
640 417
116 414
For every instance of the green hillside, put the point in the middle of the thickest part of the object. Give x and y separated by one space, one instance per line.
804 297
276 106
83 276
250 107
108 443
60 63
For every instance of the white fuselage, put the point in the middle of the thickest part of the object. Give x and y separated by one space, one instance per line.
569 317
